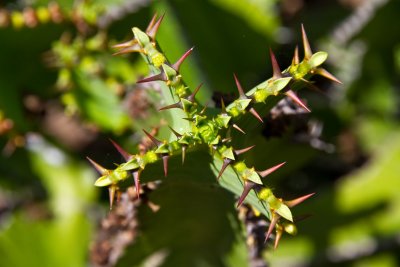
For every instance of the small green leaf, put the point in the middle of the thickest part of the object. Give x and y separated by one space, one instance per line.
278 85
103 181
285 212
317 59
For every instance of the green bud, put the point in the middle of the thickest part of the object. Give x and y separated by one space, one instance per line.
265 193
290 228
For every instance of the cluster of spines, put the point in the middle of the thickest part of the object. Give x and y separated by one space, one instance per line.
212 130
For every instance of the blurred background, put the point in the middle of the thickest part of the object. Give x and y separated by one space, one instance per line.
63 95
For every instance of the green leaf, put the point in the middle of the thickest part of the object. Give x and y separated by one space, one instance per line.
317 59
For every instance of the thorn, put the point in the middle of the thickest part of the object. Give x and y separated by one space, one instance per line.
178 135
153 31
153 139
326 74
296 60
178 63
275 218
271 170
193 95
294 202
204 108
275 66
98 167
248 185
183 153
224 165
238 128
151 24
125 44
239 87
255 114
176 105
244 150
136 179
165 164
223 107
130 49
127 156
158 77
111 194
306 44
226 140
277 237
292 95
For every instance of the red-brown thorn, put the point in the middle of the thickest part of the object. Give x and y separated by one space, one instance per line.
158 77
294 202
136 179
153 30
127 156
152 138
248 185
275 66
224 165
243 150
176 66
292 95
239 87
165 164
271 170
256 115
193 95
274 220
238 128
306 44
98 167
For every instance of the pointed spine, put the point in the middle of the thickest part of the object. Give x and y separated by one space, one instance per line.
243 150
238 128
297 201
326 74
175 105
275 66
154 28
98 167
165 164
306 44
127 156
178 135
278 236
239 87
111 194
248 185
176 66
274 220
153 139
158 77
136 180
256 115
292 95
271 170
225 164
296 60
151 24
192 97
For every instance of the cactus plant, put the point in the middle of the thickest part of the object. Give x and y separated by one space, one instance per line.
199 129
